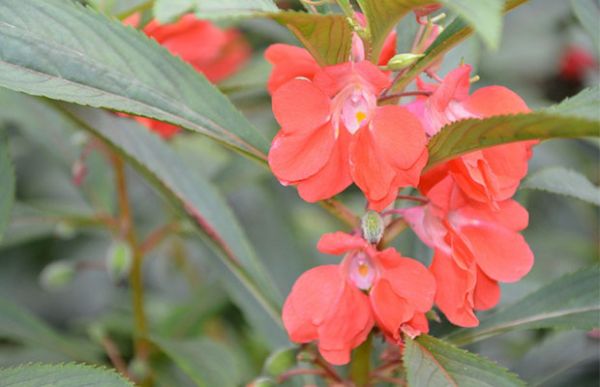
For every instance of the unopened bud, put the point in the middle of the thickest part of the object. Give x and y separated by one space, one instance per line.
280 361
64 230
138 369
262 382
57 275
372 227
118 260
402 61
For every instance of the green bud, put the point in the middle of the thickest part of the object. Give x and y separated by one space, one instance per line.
57 275
372 227
138 369
64 230
280 361
118 260
96 332
262 382
402 61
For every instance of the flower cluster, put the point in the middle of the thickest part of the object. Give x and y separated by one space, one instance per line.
338 128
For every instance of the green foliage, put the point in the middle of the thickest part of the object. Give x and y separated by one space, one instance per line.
118 260
571 302
91 60
588 13
281 360
563 181
166 11
484 16
327 37
211 9
430 362
63 375
207 362
583 105
7 183
57 275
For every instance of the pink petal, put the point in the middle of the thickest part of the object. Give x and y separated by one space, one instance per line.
289 62
391 310
299 106
487 292
338 243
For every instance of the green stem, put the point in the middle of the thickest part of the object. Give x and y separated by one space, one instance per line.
361 363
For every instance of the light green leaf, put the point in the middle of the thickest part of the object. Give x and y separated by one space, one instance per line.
570 302
166 11
430 362
215 9
484 16
584 104
469 135
7 183
62 375
563 181
452 35
61 50
327 37
207 362
22 326
588 13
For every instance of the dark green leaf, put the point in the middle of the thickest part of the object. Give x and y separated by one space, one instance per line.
567 303
64 51
327 37
207 362
61 375
563 181
7 183
430 362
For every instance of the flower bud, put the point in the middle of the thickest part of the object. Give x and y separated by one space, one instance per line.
402 61
65 230
372 227
118 260
280 361
57 275
262 382
138 369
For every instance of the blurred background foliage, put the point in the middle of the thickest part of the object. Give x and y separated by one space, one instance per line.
192 298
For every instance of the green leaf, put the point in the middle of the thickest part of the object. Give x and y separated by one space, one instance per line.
166 11
7 183
327 37
382 16
470 135
61 50
484 16
588 13
563 181
205 361
63 375
22 326
430 362
452 35
584 104
570 302
214 9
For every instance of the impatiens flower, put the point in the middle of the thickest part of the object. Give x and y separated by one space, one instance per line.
337 305
575 63
490 175
475 247
333 132
214 52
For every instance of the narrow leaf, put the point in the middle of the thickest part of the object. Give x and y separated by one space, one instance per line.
7 183
63 375
430 362
327 37
205 361
484 16
61 50
564 182
216 9
570 302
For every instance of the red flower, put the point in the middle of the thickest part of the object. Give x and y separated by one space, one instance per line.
475 247
333 133
490 175
575 63
339 304
214 52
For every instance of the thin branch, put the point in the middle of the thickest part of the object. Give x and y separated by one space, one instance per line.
112 351
157 236
404 94
395 228
339 210
299 371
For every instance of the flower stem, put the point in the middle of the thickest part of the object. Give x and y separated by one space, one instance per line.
361 363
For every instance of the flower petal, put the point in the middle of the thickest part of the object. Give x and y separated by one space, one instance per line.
338 243
487 292
391 310
495 100
289 62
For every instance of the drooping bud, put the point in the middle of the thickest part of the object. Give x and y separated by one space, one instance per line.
402 61
57 275
118 260
372 227
281 360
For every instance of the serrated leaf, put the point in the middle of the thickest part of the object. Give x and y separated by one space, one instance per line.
569 302
61 50
563 181
588 13
7 183
484 16
469 135
22 326
63 375
205 361
584 104
327 37
452 35
216 9
431 362
166 11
